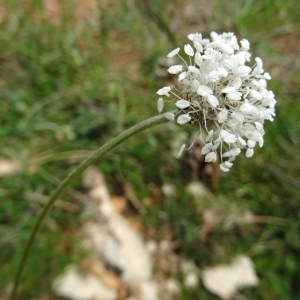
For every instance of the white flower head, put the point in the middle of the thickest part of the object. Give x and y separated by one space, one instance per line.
221 91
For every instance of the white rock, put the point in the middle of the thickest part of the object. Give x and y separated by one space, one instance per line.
225 280
76 286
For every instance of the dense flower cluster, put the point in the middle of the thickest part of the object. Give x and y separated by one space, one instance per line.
219 93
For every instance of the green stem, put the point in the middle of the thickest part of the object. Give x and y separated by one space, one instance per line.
99 153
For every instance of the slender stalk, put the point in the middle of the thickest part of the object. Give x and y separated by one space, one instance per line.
99 153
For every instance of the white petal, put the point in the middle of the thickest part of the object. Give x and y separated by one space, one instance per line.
256 95
182 104
225 166
241 141
211 157
175 69
194 84
213 76
173 52
191 36
259 66
170 116
210 134
160 104
244 70
204 91
222 115
232 153
234 96
206 148
245 44
238 116
259 62
237 82
228 89
188 49
212 100
214 36
198 59
223 47
164 91
260 127
194 69
228 164
251 143
248 108
249 152
182 76
262 83
223 72
228 137
241 56
195 36
183 119
198 46
267 76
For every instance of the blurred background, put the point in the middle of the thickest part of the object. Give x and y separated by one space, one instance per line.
75 73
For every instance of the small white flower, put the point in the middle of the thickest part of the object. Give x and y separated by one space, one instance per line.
198 59
267 76
164 91
204 91
188 50
183 119
232 93
243 71
222 115
259 66
193 69
227 137
175 69
235 96
225 166
182 76
249 152
182 104
160 104
170 116
256 95
213 101
251 143
173 53
206 148
211 157
248 108
195 36
232 153
245 44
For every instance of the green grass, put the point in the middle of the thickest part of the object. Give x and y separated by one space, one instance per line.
67 89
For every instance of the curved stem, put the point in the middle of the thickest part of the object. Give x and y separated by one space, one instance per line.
99 153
